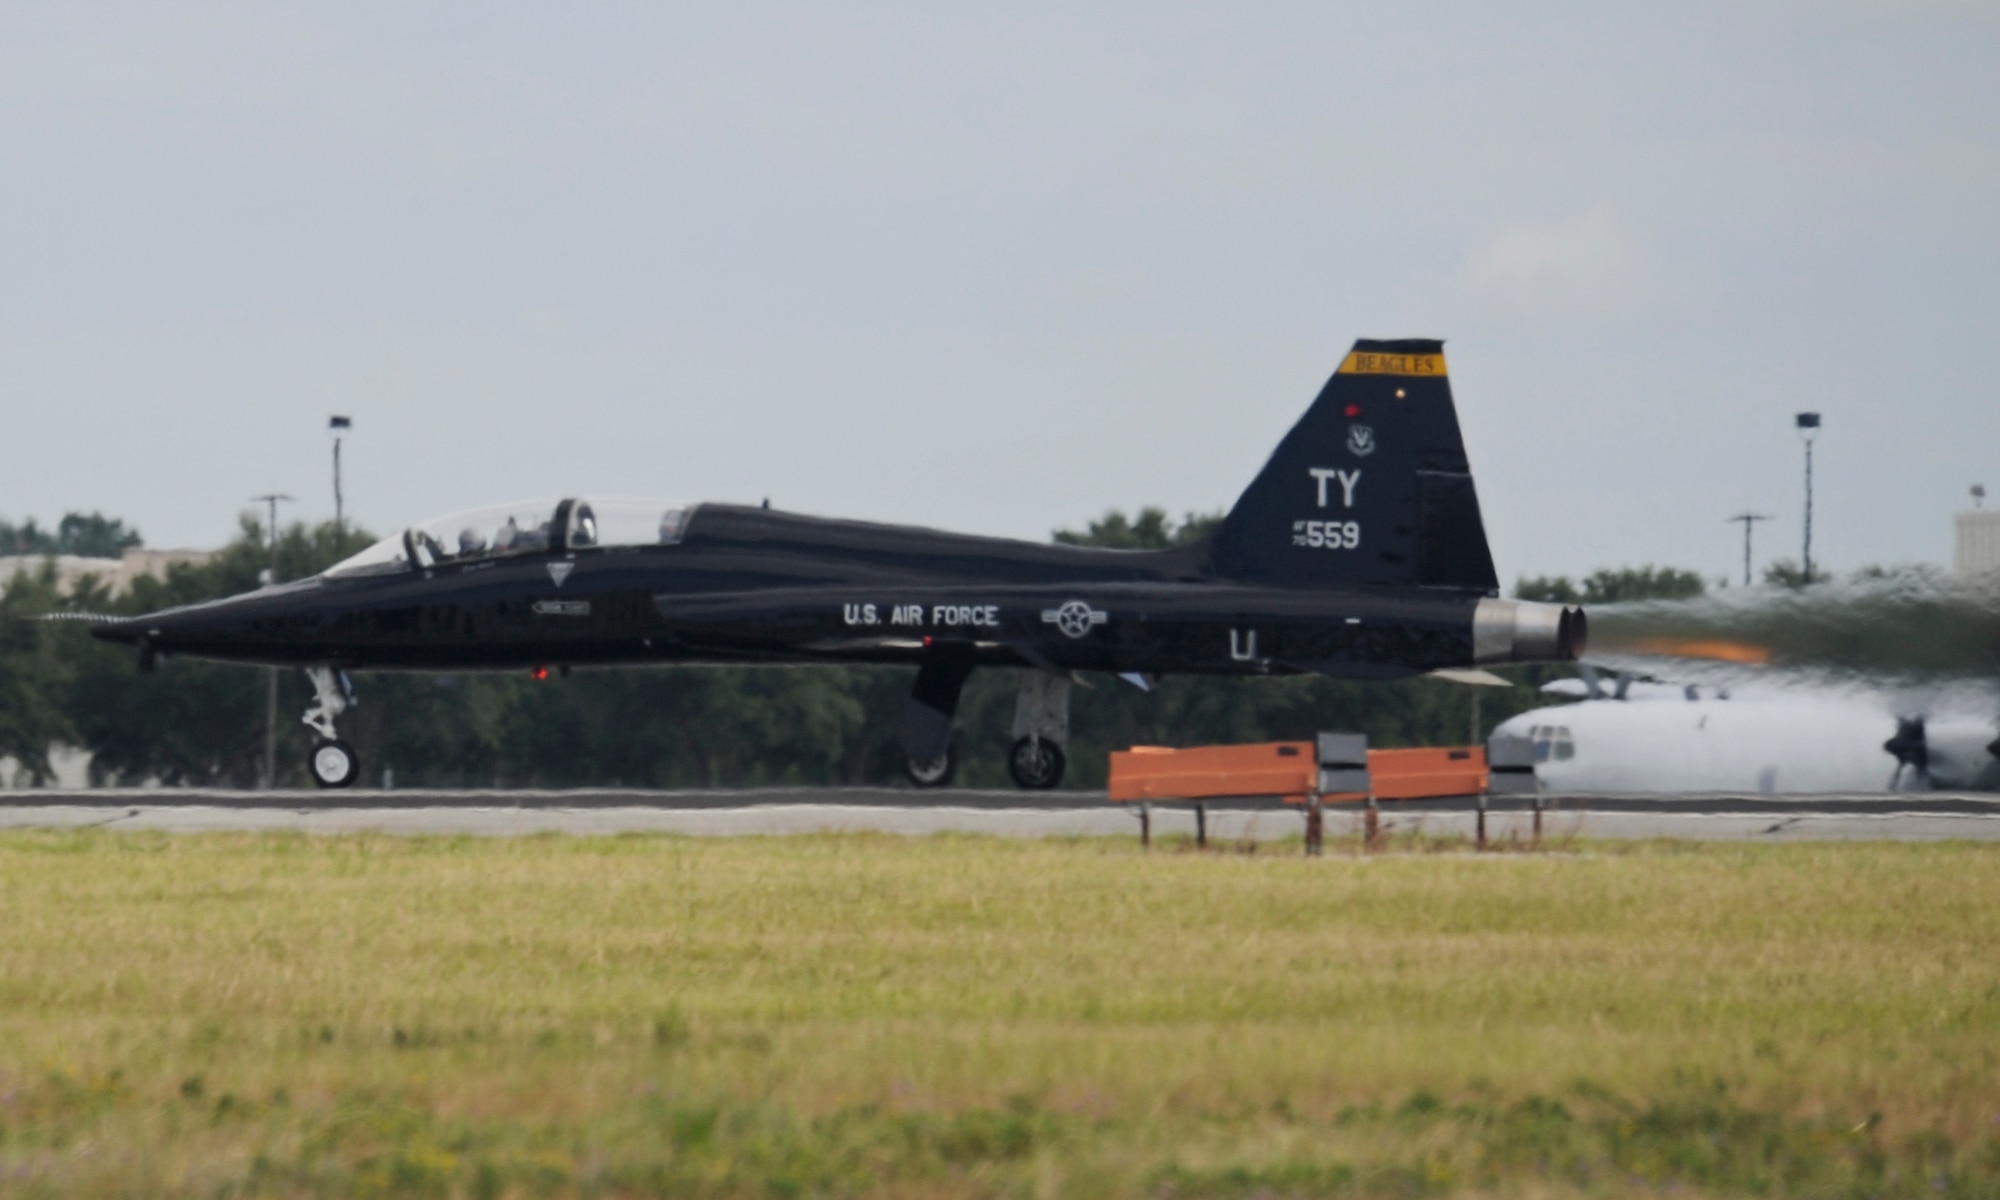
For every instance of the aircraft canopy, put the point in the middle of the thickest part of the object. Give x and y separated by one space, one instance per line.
526 527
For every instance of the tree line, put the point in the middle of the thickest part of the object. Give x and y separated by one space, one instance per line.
192 723
89 535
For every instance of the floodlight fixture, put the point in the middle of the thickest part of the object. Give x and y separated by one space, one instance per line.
1807 423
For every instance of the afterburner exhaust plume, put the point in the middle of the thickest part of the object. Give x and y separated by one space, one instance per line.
1911 627
1712 649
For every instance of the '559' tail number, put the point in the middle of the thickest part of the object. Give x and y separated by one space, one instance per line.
1327 535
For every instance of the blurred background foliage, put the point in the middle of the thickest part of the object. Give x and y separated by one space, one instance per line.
91 535
194 723
1614 586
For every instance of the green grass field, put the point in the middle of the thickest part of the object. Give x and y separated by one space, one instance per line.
872 1015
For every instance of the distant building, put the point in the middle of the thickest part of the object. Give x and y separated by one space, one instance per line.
1976 552
116 573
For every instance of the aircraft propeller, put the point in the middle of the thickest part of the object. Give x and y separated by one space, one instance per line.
1912 750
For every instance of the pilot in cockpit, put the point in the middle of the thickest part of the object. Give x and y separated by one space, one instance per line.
670 525
432 547
505 537
470 543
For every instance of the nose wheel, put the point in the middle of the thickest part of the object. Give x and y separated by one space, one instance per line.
334 764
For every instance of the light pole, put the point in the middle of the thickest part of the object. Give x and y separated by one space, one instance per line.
271 673
1808 426
1748 519
337 425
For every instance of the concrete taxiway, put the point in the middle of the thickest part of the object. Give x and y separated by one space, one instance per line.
1930 816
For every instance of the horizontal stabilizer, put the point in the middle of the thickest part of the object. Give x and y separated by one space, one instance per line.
1470 675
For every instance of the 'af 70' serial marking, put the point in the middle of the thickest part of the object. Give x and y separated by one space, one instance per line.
1327 535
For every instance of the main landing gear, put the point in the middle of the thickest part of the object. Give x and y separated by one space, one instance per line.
334 763
1040 734
933 772
930 758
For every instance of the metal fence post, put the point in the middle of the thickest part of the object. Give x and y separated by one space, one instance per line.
1510 771
1343 770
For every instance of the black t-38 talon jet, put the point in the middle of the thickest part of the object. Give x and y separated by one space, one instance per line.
1357 552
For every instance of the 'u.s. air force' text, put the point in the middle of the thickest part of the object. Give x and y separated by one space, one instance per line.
944 616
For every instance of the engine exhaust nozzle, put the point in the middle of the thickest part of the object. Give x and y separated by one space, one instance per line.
1520 631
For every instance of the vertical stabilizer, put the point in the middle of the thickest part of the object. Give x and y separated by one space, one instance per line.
1371 487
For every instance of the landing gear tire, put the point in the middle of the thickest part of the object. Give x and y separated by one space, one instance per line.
934 773
334 764
1036 764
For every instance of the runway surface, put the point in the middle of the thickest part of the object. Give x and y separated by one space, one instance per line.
1929 816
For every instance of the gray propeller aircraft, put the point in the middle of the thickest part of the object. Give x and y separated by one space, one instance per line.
1641 735
1357 552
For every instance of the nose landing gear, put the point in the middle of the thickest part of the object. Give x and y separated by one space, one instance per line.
333 763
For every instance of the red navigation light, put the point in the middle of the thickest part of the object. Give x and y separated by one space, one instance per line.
927 640
539 674
1354 410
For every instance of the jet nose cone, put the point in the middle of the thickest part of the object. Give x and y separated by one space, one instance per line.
251 627
142 632
166 629
126 632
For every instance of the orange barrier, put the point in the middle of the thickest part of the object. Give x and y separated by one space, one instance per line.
1424 771
1285 769
1288 770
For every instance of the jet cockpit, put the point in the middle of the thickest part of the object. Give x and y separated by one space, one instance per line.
525 527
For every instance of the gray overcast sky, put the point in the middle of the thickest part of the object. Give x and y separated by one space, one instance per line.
1000 269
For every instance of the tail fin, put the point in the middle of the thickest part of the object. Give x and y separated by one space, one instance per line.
1371 487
